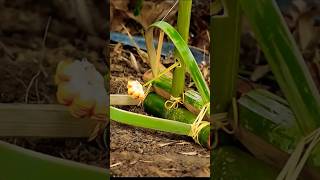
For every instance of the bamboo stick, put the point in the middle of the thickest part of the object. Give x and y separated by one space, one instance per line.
42 121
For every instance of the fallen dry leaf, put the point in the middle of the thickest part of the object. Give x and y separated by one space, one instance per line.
146 161
259 72
189 153
306 30
183 143
134 63
205 156
118 48
165 144
170 169
116 164
133 162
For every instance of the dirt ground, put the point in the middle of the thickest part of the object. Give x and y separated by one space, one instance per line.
142 152
34 37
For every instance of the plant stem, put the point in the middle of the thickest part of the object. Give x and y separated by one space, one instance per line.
225 43
20 163
149 122
155 105
183 24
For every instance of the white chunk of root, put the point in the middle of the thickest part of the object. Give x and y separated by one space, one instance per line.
135 90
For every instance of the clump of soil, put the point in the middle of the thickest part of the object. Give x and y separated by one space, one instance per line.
143 152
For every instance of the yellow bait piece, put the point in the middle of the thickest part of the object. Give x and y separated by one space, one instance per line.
135 89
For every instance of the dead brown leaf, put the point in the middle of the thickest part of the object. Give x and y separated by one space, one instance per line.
170 169
306 30
183 143
133 162
134 63
259 72
193 153
118 48
146 161
116 164
165 144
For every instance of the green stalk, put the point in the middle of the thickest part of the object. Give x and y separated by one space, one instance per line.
225 44
149 122
183 24
285 60
155 105
19 163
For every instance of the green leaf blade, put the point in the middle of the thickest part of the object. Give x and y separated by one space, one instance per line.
186 57
149 122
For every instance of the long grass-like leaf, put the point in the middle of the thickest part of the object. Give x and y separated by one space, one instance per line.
285 60
149 122
19 163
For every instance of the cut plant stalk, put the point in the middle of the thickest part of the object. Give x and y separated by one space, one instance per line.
154 123
225 43
144 121
19 163
155 105
285 60
183 24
